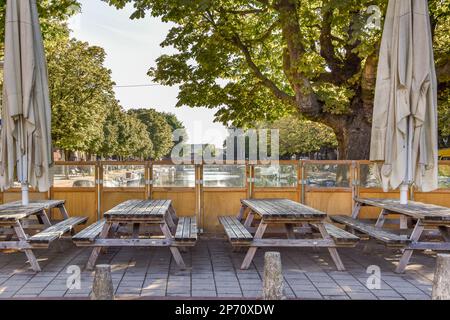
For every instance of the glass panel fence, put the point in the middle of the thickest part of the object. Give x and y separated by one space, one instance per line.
224 176
327 175
120 176
369 176
280 176
73 176
174 176
444 176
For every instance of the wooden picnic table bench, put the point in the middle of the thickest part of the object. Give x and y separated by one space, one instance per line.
424 216
290 214
176 232
13 216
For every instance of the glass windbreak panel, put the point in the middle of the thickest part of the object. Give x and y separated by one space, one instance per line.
224 176
327 175
444 176
123 176
369 176
174 176
73 176
276 176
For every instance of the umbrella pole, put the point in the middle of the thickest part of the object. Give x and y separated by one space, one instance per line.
23 180
404 188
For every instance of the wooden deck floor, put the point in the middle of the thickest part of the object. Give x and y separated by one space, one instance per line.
151 273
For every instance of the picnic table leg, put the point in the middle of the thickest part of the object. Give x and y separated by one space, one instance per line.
355 214
379 224
403 222
290 231
173 214
96 250
29 253
445 232
415 236
170 222
175 252
46 221
63 211
250 217
333 251
356 210
241 213
252 251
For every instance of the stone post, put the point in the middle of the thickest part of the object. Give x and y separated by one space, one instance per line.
273 283
103 286
441 283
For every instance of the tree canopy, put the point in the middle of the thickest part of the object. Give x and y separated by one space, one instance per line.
302 137
86 116
262 59
81 88
51 14
158 129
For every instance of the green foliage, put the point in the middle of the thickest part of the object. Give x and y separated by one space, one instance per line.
261 59
133 138
158 129
172 121
51 14
298 137
80 91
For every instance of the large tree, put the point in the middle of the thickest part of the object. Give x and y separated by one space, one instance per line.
259 59
158 129
81 88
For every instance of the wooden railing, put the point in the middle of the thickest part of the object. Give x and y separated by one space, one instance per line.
92 188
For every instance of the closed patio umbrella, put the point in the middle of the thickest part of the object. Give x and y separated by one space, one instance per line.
26 151
404 133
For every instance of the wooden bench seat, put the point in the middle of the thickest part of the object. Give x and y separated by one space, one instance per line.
388 238
187 232
56 231
236 232
341 237
88 235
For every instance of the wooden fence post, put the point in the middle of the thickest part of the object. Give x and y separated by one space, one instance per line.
103 286
441 283
273 286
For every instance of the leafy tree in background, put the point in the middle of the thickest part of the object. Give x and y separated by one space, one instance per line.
81 88
173 121
133 139
299 137
158 129
262 59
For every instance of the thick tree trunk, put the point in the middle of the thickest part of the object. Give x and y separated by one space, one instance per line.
354 139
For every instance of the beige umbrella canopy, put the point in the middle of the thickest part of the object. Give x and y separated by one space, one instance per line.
25 152
404 133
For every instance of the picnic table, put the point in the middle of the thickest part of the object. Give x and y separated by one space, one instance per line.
423 216
15 219
176 232
273 212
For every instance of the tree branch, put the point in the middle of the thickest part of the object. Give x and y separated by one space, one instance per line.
306 99
327 50
280 94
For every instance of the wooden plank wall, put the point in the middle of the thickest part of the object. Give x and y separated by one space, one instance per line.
210 203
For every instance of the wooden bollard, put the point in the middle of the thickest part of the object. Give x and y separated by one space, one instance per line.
441 282
273 283
103 285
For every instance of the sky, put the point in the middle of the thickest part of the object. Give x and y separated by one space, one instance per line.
132 47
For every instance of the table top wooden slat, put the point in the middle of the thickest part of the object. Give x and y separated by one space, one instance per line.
417 210
283 209
140 209
15 211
